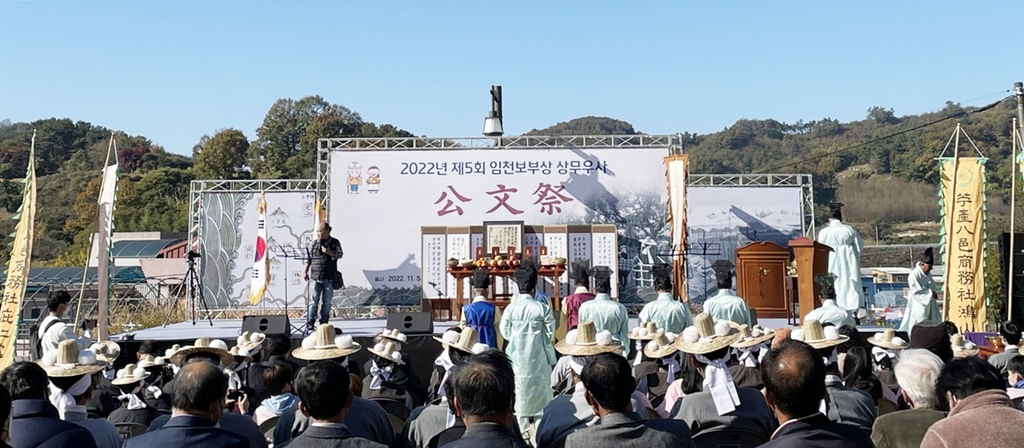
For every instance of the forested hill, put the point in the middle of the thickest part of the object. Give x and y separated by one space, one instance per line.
153 190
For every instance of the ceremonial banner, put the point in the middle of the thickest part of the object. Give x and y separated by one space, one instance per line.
677 171
261 264
105 233
962 205
18 266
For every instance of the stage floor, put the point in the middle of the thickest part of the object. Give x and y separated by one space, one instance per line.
229 329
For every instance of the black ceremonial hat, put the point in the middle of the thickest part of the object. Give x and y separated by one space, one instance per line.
662 274
723 276
928 257
602 277
580 272
526 276
481 278
827 283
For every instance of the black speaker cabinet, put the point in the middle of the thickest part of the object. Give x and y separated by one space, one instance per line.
1018 274
267 324
411 323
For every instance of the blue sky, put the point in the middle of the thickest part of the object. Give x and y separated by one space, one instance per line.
175 70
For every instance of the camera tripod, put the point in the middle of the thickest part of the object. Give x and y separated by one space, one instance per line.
195 291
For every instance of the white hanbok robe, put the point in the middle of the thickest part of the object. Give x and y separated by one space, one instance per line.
921 305
831 313
726 305
528 326
844 263
607 314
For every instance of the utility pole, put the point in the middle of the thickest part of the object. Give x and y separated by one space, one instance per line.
1018 93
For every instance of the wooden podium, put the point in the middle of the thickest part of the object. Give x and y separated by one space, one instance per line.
761 278
811 259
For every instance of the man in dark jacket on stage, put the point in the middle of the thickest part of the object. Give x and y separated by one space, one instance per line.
321 264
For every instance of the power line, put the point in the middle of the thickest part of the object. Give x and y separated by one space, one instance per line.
883 138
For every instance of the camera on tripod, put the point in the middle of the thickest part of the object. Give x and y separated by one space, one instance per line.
192 255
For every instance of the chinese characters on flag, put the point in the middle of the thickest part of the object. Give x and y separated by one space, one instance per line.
505 199
963 219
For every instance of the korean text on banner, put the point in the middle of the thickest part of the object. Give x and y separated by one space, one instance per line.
17 268
677 171
962 207
261 263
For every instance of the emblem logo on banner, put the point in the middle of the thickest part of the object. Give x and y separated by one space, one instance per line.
261 264
962 205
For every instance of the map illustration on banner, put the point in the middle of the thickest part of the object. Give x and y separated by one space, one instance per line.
230 234
380 200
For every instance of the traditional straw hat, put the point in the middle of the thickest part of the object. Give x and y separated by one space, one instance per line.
586 341
204 345
661 346
388 350
706 336
460 340
171 351
70 362
888 339
150 361
251 340
644 332
240 352
814 335
395 335
750 338
106 351
961 348
325 344
130 374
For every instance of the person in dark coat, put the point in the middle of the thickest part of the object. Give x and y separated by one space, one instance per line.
609 385
5 413
323 389
390 376
484 397
198 404
794 386
276 351
134 408
34 421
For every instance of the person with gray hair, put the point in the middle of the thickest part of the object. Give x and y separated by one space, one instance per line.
917 373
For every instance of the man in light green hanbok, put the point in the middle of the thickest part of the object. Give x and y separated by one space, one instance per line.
528 326
605 313
668 313
844 261
921 304
726 305
829 311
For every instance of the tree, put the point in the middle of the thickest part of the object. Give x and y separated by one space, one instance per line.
588 126
882 115
222 156
286 141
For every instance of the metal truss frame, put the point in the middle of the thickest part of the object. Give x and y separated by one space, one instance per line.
804 181
195 211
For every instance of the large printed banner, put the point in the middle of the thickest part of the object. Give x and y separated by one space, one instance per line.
231 235
17 267
723 219
677 172
963 240
380 200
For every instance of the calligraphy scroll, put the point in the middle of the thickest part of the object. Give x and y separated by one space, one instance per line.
18 267
677 172
963 240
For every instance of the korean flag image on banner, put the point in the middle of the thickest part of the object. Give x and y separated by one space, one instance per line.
261 263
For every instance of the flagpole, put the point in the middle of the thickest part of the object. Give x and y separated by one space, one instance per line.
950 201
1013 227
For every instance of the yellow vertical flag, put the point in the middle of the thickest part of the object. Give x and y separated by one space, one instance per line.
261 263
963 240
18 266
677 172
